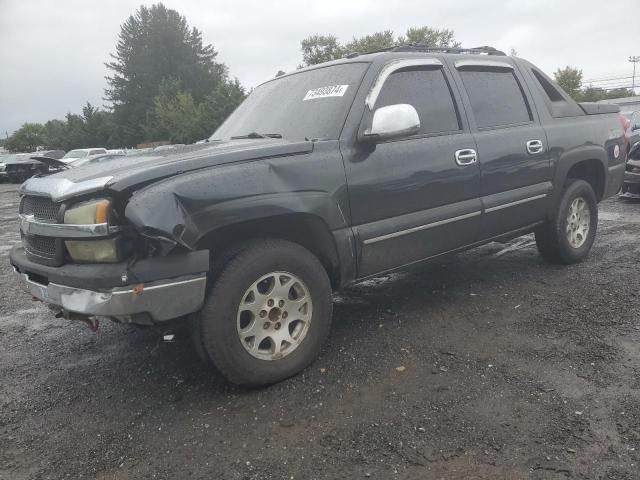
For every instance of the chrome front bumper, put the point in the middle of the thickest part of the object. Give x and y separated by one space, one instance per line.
144 303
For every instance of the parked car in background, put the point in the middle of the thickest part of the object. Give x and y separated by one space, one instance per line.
57 165
50 153
321 177
20 166
117 151
161 148
82 153
631 185
633 128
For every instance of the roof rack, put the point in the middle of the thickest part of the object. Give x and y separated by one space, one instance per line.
421 47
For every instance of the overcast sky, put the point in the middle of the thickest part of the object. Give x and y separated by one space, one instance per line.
52 52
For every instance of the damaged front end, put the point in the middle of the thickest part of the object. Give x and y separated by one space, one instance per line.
81 257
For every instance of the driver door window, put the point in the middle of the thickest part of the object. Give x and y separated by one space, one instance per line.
427 90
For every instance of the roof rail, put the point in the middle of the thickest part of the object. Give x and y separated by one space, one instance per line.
421 47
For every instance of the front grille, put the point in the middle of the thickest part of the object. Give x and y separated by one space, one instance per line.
45 250
45 246
42 208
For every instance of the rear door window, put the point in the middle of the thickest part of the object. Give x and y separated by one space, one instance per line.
428 91
496 98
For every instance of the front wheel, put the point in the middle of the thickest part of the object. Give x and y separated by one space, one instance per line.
568 236
268 313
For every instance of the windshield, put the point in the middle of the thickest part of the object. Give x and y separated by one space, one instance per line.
311 105
76 154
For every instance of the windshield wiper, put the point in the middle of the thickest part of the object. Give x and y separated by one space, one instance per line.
257 135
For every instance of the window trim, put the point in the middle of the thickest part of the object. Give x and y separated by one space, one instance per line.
481 64
478 67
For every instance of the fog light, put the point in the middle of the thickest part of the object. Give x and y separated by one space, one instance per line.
104 251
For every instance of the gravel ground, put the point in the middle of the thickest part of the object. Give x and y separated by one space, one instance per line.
488 365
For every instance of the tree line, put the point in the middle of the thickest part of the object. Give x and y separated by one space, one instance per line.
165 84
570 79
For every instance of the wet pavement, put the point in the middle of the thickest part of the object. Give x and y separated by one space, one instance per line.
490 364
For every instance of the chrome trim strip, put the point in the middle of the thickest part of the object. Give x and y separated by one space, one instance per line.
162 300
517 202
420 228
482 63
59 189
29 226
391 67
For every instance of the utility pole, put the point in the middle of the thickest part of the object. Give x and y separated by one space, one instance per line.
634 59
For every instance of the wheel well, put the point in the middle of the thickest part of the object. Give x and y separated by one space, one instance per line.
592 172
307 230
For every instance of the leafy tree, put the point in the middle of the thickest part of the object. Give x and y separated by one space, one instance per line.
620 93
592 94
431 37
155 44
55 133
323 48
177 112
570 79
184 121
218 105
27 138
369 43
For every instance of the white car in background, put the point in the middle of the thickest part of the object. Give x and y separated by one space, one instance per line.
73 155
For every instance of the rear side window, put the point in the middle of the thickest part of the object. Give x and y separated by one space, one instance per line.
428 91
496 97
558 104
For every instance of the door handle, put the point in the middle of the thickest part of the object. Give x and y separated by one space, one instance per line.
466 156
534 146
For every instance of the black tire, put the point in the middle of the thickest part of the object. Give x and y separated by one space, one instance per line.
551 238
217 322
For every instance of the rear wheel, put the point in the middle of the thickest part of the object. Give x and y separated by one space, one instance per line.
268 313
567 237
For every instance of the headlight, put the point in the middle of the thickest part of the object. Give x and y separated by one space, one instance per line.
86 213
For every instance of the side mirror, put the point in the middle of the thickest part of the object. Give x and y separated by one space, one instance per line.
634 152
393 121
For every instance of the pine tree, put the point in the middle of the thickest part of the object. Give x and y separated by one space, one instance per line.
157 44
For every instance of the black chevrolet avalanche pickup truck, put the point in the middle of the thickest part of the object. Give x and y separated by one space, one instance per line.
321 177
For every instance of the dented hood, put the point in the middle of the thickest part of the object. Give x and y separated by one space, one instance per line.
122 173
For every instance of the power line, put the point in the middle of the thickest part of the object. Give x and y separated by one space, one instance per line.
610 86
609 80
614 75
